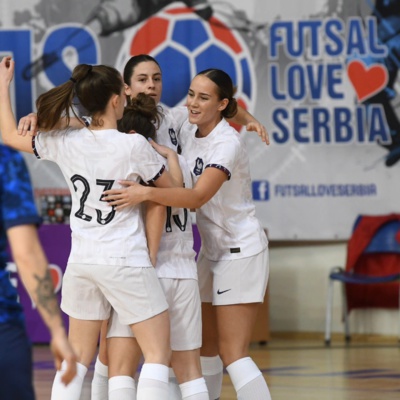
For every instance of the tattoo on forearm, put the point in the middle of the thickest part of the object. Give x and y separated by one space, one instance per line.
45 294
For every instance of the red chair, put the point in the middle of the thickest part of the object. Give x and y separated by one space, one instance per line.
372 273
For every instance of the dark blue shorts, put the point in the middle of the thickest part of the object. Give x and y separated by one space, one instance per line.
15 363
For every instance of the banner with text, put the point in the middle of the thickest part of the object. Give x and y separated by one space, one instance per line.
321 75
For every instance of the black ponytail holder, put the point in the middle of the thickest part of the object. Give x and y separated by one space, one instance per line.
87 73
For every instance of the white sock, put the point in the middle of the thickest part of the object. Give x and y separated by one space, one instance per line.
153 382
248 380
100 381
121 388
257 389
212 369
174 393
194 390
73 390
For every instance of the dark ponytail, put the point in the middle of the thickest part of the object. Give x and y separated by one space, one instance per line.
142 116
93 86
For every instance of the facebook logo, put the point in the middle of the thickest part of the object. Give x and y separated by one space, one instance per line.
260 190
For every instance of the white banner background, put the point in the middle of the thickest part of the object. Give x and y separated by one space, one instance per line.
304 188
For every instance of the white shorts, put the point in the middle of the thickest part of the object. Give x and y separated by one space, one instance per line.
90 291
233 281
184 310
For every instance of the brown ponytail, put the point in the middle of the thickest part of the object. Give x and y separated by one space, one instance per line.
93 86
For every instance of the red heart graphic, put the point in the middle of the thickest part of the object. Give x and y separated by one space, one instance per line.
367 81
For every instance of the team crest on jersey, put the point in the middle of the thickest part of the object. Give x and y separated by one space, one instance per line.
172 135
198 169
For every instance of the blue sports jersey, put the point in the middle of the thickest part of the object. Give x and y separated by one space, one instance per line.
17 207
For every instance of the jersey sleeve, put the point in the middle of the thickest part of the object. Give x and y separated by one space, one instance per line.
46 145
18 206
224 156
180 115
150 166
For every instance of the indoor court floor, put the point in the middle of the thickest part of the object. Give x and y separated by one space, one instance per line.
295 370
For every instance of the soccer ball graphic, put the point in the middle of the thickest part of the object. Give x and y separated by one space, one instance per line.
185 44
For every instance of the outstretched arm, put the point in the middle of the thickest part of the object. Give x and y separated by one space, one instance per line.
244 118
8 126
28 125
33 268
133 193
155 215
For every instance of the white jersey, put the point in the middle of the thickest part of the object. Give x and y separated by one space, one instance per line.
176 256
91 162
170 127
227 223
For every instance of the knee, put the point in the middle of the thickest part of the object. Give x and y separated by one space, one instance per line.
232 353
157 355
